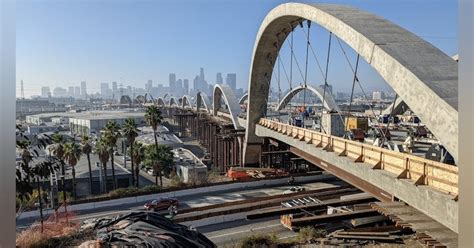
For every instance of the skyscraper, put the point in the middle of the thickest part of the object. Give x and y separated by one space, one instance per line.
83 89
219 79
77 92
59 92
114 88
328 89
104 90
70 91
172 80
186 86
149 85
231 80
45 92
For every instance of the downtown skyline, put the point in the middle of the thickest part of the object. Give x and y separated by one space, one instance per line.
63 43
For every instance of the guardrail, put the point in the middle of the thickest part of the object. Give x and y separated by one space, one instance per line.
440 176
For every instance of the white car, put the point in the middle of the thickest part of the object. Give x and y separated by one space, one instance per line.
294 190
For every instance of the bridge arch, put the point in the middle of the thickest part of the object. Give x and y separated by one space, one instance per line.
225 93
173 101
160 101
243 98
187 101
202 101
428 83
329 102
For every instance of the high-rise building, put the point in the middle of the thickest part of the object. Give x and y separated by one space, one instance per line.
328 88
149 85
219 79
59 92
70 91
114 88
172 80
377 95
104 90
77 92
45 92
186 86
83 89
231 80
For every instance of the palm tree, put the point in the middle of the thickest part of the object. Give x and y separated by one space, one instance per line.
153 118
87 149
102 150
130 131
159 157
72 153
137 155
111 134
58 152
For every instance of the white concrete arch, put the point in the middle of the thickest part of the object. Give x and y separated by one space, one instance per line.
187 101
422 75
202 101
243 98
225 93
329 102
160 101
173 101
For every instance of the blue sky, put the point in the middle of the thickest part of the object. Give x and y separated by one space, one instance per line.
60 43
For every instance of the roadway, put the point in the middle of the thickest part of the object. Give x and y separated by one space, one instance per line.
197 200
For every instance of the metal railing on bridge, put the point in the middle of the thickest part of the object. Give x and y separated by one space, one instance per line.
422 171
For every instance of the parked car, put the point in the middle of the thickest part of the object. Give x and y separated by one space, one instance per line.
294 190
161 204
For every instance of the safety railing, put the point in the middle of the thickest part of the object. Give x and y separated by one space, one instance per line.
421 171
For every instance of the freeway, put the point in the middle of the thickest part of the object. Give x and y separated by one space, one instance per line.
197 200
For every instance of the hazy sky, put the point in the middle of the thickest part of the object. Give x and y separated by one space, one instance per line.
60 43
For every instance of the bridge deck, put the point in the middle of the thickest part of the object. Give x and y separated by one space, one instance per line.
425 185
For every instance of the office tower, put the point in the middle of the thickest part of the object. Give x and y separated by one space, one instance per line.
328 89
77 92
186 86
114 88
83 89
70 91
129 91
45 92
172 80
219 79
377 95
149 85
231 80
104 90
59 92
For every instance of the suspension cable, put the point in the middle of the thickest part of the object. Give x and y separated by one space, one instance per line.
296 60
291 56
352 91
305 70
361 88
325 80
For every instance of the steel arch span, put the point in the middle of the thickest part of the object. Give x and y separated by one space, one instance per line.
187 101
423 76
329 102
202 101
225 93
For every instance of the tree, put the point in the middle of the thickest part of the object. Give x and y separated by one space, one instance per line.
58 152
111 134
130 132
159 158
153 118
72 153
87 149
102 150
137 155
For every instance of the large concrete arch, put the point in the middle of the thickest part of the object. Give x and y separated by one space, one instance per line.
160 101
187 101
225 93
173 101
329 102
243 98
423 76
202 101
